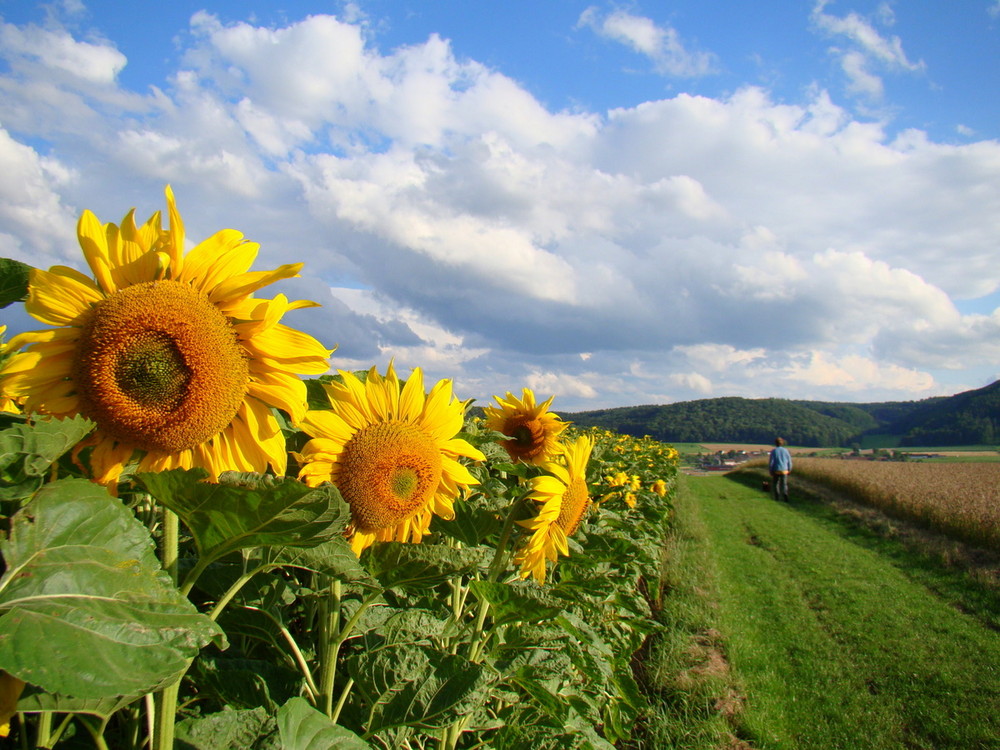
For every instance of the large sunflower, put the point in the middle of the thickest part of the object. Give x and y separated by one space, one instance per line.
534 430
564 499
168 353
392 453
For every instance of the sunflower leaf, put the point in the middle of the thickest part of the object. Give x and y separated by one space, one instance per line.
400 565
471 525
245 728
302 727
13 281
417 686
28 450
516 603
247 511
333 558
85 609
36 700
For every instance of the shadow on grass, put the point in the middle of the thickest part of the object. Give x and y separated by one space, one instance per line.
967 578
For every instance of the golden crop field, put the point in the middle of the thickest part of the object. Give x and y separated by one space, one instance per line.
959 499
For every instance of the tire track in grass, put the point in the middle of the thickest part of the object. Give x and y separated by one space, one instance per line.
832 644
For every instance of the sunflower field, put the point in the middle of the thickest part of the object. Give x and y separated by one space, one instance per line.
213 538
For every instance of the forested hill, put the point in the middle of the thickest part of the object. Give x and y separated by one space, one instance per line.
969 418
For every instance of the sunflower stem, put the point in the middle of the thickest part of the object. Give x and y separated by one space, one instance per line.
500 556
167 703
44 729
479 638
333 650
167 708
170 543
331 646
342 700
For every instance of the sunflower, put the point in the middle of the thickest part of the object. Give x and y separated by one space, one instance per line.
6 403
565 499
391 450
534 431
168 353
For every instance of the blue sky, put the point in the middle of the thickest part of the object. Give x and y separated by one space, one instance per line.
615 203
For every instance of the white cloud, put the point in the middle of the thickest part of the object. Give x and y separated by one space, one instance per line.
37 226
692 381
566 385
689 246
60 53
867 48
661 44
854 373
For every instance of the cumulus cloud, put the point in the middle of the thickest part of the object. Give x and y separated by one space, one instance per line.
678 248
866 48
661 44
35 225
60 54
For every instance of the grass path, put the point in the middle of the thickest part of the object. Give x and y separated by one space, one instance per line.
827 643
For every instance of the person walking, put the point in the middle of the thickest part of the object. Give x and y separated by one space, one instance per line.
780 466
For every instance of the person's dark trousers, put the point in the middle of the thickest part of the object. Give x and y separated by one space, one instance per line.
779 486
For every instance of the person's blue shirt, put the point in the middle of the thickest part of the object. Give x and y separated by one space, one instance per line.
781 459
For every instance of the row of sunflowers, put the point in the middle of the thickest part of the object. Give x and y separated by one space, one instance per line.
210 541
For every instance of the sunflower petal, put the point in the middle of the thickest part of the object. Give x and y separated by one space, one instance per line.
60 295
215 260
245 284
94 242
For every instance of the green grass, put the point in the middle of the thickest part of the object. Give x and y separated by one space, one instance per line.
833 641
685 692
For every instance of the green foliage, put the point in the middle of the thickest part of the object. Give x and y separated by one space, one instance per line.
248 511
85 610
13 281
286 639
27 452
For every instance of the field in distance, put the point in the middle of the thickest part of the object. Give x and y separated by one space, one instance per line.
953 453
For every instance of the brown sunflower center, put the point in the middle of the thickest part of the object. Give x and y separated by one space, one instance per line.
575 502
388 471
527 437
159 367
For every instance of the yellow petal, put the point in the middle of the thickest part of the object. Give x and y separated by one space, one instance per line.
93 239
215 259
288 349
411 401
60 295
283 391
327 424
175 234
238 286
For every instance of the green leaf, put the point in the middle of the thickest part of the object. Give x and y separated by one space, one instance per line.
244 511
14 277
417 686
316 396
85 609
36 700
302 727
249 729
333 558
27 451
471 525
401 565
245 683
516 602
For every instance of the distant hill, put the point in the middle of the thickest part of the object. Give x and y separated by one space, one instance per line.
969 418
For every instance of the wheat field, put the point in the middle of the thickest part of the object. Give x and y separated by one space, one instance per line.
959 499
